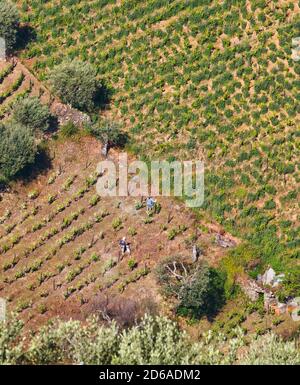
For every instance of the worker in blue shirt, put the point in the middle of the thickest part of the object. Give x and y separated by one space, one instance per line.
150 203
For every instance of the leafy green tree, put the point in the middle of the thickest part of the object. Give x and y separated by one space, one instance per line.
155 340
205 295
108 133
9 23
11 346
75 83
31 113
64 341
17 149
198 288
271 350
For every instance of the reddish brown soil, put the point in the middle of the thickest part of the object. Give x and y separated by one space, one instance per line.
99 288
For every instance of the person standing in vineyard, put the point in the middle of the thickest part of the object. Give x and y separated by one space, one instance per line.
124 246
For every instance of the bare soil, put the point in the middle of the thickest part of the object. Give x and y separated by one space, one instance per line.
100 284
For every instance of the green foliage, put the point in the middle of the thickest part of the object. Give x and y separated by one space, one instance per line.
198 289
69 130
31 113
107 132
236 263
132 231
75 83
176 231
17 149
5 72
246 123
132 263
33 194
155 340
271 350
134 277
9 23
270 205
10 343
291 284
94 200
117 224
12 87
204 296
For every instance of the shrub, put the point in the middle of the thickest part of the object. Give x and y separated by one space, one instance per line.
42 308
94 257
69 130
31 113
94 200
270 205
33 194
236 262
17 149
132 231
132 263
291 284
176 231
117 224
75 83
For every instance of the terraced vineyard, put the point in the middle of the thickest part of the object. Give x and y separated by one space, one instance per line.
17 82
213 80
59 241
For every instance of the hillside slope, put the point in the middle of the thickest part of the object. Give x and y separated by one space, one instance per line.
213 80
16 82
59 247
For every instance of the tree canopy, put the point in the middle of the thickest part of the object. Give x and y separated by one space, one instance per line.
109 134
75 83
198 288
17 149
156 340
9 22
31 113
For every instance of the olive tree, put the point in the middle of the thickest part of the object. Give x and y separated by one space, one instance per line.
17 149
75 83
198 288
108 133
11 346
31 113
155 340
271 350
9 23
